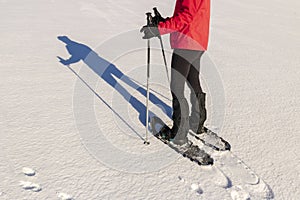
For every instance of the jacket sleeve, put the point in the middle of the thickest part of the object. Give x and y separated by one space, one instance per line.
185 16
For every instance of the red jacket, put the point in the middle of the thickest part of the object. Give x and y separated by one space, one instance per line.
189 26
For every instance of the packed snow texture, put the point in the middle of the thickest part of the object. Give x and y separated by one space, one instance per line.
254 46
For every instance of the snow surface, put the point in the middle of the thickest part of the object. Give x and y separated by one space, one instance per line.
45 117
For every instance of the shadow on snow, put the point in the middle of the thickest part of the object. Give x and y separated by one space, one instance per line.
108 71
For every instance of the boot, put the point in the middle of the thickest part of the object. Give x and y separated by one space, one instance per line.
198 112
180 127
166 133
169 133
180 120
197 119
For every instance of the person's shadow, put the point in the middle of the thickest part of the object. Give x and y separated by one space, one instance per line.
108 71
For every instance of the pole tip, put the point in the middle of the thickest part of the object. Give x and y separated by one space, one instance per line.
146 142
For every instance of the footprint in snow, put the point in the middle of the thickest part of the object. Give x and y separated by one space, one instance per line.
3 195
238 193
181 179
64 196
30 186
28 171
196 187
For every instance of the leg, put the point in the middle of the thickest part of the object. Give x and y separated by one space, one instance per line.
179 71
198 114
185 66
181 64
193 76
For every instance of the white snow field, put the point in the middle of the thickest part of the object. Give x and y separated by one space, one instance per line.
65 137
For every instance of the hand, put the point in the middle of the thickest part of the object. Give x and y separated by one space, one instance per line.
150 31
157 19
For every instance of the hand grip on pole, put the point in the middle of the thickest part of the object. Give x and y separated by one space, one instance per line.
156 13
149 18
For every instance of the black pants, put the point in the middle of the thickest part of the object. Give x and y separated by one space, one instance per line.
185 66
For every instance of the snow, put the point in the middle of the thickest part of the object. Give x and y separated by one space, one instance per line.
51 122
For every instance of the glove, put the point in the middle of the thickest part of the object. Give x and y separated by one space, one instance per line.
150 31
156 19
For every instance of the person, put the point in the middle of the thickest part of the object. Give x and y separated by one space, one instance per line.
189 34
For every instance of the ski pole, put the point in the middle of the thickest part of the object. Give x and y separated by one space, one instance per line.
149 21
157 15
164 57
